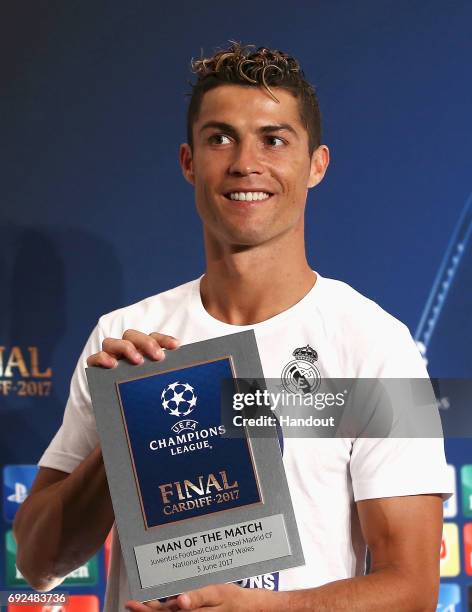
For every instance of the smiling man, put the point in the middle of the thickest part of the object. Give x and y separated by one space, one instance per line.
253 152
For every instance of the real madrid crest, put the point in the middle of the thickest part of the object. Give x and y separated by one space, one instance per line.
301 374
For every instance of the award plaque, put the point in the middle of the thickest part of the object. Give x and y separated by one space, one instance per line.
192 506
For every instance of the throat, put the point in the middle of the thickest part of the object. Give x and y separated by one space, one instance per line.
246 301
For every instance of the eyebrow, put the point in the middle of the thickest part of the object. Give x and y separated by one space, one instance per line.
279 127
265 129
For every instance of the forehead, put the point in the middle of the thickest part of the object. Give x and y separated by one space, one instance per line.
242 106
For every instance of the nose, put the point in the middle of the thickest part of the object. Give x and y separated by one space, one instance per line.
246 160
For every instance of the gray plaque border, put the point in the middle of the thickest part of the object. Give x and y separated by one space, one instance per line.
242 348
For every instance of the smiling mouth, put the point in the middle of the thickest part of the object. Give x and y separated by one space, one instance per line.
248 196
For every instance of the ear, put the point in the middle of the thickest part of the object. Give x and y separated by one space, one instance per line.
186 162
318 165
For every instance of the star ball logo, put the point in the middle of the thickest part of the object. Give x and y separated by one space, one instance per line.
179 399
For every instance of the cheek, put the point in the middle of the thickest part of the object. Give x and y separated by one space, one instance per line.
201 184
204 199
206 176
292 174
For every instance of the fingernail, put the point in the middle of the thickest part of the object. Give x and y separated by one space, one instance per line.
138 357
160 354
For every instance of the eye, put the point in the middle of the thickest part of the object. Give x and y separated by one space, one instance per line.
275 141
219 139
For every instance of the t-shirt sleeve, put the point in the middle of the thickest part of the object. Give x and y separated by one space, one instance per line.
398 466
77 436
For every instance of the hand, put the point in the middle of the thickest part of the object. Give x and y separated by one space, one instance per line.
132 347
213 598
169 606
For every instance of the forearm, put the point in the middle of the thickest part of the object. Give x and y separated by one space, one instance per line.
61 526
387 589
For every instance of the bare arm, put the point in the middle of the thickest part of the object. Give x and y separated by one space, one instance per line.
63 522
66 517
404 537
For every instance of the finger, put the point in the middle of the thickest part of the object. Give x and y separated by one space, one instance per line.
136 606
122 349
169 604
172 606
171 601
102 359
199 598
145 344
167 342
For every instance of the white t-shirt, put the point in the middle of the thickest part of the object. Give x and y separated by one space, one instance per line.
353 337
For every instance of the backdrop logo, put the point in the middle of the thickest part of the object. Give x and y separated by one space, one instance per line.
17 482
21 373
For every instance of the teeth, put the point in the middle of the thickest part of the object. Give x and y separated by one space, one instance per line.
249 196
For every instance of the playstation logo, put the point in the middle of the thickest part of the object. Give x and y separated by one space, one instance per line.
17 483
20 494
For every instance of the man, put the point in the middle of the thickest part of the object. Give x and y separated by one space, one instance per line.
253 152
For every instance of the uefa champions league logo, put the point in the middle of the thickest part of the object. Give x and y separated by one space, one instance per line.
179 399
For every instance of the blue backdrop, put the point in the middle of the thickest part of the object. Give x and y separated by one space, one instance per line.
95 214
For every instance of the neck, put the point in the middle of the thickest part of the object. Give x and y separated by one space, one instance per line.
244 286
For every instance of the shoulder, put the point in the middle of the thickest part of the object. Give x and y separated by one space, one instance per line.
355 311
148 313
371 337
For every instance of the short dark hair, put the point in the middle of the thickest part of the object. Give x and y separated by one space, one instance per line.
262 67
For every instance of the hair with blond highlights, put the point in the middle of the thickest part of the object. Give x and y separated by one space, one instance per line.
250 67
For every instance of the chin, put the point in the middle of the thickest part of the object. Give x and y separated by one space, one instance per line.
246 239
246 236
